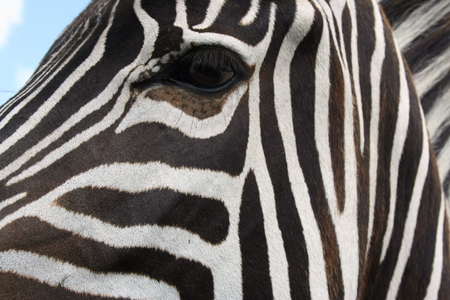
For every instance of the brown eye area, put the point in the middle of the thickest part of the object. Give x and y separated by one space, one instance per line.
206 76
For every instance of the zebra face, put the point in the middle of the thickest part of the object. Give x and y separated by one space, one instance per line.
212 149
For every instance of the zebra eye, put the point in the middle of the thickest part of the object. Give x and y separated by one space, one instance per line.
208 70
206 76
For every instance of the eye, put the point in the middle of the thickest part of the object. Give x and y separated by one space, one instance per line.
206 76
208 70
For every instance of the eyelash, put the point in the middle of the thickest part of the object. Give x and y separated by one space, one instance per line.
208 65
208 58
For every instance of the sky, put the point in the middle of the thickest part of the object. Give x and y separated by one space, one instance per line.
28 28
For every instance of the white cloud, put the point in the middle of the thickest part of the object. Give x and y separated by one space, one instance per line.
22 76
10 15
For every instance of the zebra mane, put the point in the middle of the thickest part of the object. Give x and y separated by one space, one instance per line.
419 27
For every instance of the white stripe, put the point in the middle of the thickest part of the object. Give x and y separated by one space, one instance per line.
346 226
376 67
245 51
411 219
31 152
226 286
181 18
212 13
437 121
419 21
355 71
321 110
433 73
47 70
256 160
304 18
76 141
131 178
346 223
222 259
40 74
56 58
443 161
436 274
251 14
401 130
146 110
438 117
81 280
11 200
338 8
321 113
150 34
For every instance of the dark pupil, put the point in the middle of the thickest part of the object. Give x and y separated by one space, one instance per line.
206 76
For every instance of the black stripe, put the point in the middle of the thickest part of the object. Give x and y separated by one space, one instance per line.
192 279
145 143
407 173
48 90
378 278
336 120
207 218
231 15
303 103
419 267
430 97
255 260
425 48
347 28
418 270
365 32
389 93
288 218
444 290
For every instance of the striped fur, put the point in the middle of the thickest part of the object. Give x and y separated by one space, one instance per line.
422 29
310 176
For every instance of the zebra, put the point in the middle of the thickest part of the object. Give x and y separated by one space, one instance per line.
221 149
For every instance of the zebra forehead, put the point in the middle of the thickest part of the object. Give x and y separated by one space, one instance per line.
242 19
231 24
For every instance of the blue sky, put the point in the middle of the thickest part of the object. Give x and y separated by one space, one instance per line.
27 30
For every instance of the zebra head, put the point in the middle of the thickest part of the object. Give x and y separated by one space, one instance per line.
221 149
